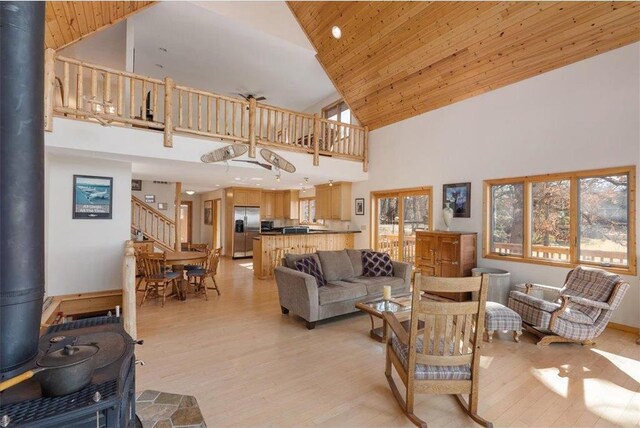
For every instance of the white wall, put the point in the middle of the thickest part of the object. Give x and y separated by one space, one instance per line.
583 116
84 255
196 216
206 231
106 47
164 193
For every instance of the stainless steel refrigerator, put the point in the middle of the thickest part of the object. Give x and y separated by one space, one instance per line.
246 226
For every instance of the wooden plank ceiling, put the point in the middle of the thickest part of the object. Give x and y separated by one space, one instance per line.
69 21
396 60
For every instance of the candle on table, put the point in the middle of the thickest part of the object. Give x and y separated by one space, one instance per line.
386 292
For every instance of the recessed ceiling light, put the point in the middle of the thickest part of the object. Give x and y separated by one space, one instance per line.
217 185
336 32
256 178
190 192
159 65
162 49
257 184
237 178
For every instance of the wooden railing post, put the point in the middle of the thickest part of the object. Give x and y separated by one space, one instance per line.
316 140
129 289
177 244
252 127
168 112
49 85
365 153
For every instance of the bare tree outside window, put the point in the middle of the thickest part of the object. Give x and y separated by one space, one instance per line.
603 224
550 219
506 218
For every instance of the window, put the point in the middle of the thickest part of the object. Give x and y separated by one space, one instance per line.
338 111
307 210
566 219
398 215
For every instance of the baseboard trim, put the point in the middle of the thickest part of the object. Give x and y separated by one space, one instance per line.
623 327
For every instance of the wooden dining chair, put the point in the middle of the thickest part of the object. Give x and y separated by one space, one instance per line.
203 248
156 277
440 354
208 270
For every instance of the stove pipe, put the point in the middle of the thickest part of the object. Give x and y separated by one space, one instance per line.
21 181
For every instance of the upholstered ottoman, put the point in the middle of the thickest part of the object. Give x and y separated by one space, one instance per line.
499 317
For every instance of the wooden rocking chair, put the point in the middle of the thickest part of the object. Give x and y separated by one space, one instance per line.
440 353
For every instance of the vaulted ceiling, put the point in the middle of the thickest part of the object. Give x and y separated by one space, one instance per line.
69 21
396 60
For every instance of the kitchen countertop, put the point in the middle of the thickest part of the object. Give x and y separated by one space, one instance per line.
311 232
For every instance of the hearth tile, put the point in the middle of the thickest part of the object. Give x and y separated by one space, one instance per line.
188 401
187 416
156 412
167 398
148 395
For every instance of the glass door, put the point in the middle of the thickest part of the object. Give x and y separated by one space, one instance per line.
415 216
388 226
398 216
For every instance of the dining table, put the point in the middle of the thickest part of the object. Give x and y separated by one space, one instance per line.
178 260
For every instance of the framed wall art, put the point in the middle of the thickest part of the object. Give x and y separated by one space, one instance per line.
208 213
92 197
136 185
457 197
359 206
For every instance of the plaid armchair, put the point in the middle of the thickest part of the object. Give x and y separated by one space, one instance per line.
582 311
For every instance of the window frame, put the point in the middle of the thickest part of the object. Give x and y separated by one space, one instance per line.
337 104
306 198
574 206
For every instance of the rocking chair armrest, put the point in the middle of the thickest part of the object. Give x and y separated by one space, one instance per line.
530 286
555 314
396 327
588 302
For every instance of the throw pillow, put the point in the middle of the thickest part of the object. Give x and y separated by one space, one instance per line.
310 266
376 264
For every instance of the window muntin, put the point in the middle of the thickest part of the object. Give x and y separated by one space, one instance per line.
338 111
582 217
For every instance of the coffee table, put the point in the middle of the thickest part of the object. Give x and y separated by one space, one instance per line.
400 305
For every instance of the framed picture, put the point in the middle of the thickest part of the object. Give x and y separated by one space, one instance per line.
136 185
208 213
162 206
458 197
359 206
92 197
150 199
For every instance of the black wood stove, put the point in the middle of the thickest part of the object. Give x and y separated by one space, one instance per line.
108 401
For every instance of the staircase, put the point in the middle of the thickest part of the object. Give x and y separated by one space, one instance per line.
153 224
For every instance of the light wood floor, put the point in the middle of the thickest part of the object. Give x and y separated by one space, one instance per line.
250 366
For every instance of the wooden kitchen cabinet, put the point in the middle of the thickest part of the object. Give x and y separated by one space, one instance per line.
291 204
446 254
267 205
278 204
333 202
246 197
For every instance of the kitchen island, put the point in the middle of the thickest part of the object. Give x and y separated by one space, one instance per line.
265 244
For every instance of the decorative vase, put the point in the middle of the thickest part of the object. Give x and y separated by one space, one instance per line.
447 215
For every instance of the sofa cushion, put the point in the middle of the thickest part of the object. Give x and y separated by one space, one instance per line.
340 291
356 260
291 259
310 266
376 264
376 284
336 265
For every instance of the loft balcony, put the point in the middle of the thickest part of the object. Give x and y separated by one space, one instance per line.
89 92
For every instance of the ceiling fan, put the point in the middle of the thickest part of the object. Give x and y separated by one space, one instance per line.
224 154
250 96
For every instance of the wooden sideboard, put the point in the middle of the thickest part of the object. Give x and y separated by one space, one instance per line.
446 254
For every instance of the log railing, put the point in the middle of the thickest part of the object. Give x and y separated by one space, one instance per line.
153 224
129 289
86 91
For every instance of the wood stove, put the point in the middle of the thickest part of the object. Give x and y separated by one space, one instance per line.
108 401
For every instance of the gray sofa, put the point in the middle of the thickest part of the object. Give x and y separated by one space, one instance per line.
299 293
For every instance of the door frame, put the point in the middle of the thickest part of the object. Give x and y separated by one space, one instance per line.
189 220
217 206
400 194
